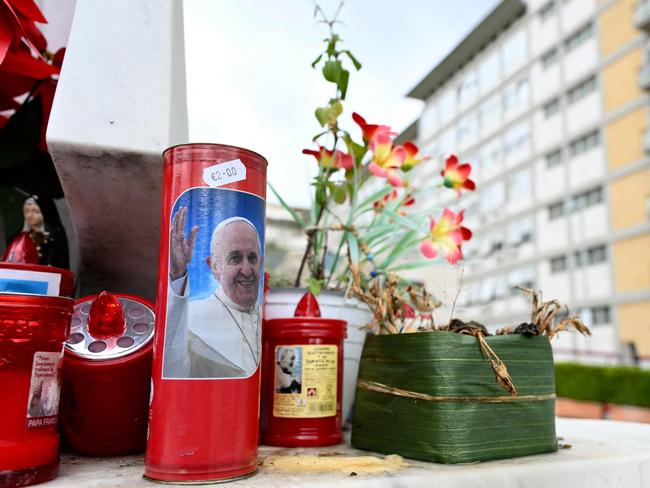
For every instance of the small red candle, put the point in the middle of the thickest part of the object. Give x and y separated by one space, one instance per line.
32 332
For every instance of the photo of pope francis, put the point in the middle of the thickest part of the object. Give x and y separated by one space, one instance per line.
218 336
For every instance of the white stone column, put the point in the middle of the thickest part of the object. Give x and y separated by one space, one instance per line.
119 103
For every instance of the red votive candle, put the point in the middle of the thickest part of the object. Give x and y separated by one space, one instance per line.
302 377
32 332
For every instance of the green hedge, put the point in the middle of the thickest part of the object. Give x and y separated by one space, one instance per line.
612 384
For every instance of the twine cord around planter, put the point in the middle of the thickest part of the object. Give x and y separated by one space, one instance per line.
391 390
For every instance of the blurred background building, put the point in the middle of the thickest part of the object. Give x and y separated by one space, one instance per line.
546 99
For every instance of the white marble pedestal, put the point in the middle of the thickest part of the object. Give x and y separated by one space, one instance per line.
603 454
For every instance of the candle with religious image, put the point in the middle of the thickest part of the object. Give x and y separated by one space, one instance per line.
32 332
206 370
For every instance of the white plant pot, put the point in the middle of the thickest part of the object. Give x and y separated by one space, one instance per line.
281 302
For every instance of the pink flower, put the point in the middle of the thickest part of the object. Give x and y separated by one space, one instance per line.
386 159
445 237
456 176
411 156
370 130
331 159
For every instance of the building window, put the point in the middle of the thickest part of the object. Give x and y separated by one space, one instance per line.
584 143
520 233
600 315
515 50
467 90
554 158
558 264
489 72
446 106
515 95
596 255
578 37
547 10
552 107
549 58
581 90
520 186
491 155
490 112
467 128
587 199
556 211
516 138
493 197
591 256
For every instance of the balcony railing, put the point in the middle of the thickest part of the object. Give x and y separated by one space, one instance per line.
646 140
642 15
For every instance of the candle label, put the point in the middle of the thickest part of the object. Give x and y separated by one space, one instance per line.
305 381
44 389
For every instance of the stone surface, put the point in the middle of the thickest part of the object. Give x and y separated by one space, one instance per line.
603 454
119 103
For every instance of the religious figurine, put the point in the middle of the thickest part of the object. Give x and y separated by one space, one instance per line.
43 226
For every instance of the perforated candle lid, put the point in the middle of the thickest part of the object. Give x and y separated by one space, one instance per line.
110 326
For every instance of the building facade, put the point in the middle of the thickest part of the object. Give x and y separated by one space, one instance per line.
546 99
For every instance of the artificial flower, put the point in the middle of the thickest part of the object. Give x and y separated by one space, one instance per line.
331 159
445 237
369 131
456 176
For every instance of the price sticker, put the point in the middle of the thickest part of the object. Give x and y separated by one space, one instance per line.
224 173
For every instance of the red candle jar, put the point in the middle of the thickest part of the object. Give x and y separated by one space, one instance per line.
32 332
205 401
107 375
302 376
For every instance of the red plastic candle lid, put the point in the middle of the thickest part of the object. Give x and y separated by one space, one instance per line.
109 326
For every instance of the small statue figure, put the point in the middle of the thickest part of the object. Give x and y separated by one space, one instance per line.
43 226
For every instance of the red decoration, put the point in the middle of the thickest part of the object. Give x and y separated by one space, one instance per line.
106 318
307 306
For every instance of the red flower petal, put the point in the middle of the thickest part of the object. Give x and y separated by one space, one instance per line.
464 170
469 185
465 233
451 162
29 9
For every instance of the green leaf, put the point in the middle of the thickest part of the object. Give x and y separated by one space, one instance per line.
357 150
332 71
342 82
374 197
354 60
412 265
403 221
331 44
378 232
313 65
314 285
328 115
296 216
353 246
402 246
339 194
320 196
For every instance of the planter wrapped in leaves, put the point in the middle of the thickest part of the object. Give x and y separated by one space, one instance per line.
433 396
